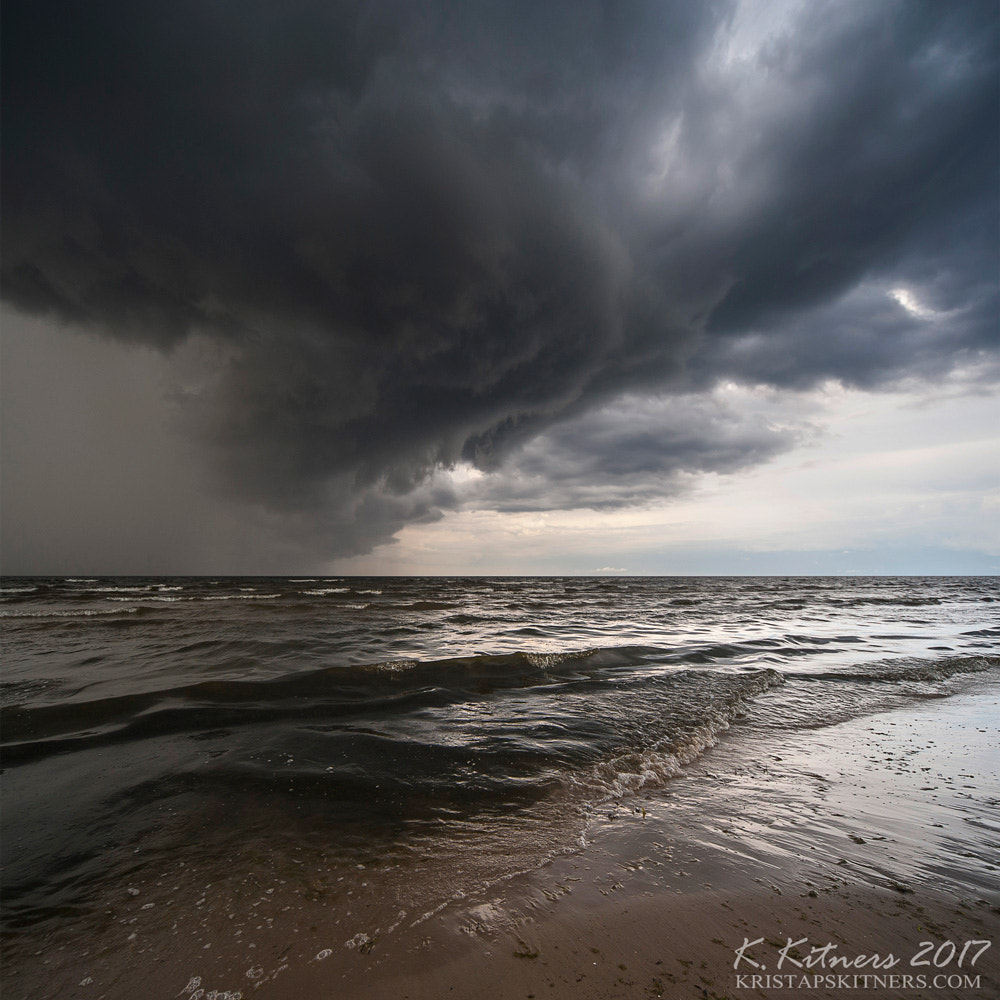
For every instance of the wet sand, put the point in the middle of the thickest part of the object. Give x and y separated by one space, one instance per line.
854 843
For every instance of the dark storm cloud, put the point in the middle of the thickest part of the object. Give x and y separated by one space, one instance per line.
632 451
901 143
382 238
866 338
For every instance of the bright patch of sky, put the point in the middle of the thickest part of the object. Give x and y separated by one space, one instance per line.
912 304
915 470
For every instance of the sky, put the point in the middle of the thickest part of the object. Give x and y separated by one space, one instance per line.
500 288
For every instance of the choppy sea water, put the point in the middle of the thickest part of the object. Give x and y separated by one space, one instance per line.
386 745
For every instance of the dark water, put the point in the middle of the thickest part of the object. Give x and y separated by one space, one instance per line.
220 724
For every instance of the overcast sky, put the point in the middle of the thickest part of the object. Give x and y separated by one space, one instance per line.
482 287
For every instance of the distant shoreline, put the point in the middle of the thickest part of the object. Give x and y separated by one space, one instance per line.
324 577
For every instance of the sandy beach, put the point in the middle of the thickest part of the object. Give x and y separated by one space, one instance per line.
874 836
853 859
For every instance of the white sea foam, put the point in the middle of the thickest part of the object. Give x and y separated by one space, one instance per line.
545 661
239 597
631 773
390 666
151 597
81 613
323 591
119 590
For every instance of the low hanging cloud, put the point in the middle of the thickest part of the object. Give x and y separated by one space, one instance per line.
639 449
380 239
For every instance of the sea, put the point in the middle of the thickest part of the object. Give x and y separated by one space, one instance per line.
233 748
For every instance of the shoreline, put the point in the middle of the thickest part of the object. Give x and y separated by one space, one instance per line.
659 904
871 835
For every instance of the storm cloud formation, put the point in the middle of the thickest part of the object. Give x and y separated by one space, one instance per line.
381 239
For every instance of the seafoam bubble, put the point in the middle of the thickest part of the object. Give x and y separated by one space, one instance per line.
81 613
240 597
639 769
390 666
545 661
150 597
